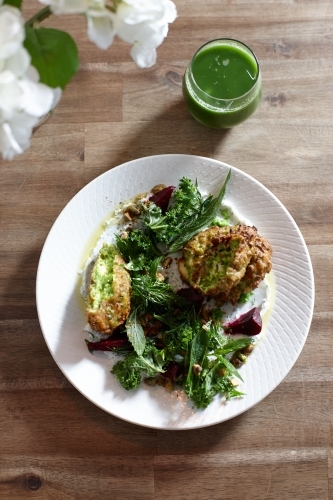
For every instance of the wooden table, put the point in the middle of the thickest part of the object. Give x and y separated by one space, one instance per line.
54 443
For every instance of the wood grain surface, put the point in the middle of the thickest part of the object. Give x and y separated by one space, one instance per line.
54 443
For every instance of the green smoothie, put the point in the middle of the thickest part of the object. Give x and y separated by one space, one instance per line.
222 84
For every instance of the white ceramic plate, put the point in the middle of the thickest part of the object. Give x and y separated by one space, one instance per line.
61 311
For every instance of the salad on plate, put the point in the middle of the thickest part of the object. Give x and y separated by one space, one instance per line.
175 291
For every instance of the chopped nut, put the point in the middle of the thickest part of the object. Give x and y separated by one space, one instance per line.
222 372
247 350
158 188
127 216
235 382
160 277
150 381
206 313
152 328
197 369
145 318
236 362
167 262
160 381
124 235
133 210
169 386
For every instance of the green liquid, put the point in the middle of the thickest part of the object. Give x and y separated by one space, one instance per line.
220 74
224 71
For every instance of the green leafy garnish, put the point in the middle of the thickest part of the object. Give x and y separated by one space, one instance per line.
135 332
129 370
202 221
137 249
187 203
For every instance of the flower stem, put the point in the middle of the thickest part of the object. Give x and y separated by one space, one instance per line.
39 16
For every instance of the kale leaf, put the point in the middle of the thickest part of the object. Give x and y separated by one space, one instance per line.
138 250
129 370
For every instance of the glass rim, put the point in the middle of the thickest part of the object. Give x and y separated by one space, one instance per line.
219 99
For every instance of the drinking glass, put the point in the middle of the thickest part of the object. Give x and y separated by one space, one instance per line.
222 83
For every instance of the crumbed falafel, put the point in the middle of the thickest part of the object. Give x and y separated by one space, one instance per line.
224 262
108 301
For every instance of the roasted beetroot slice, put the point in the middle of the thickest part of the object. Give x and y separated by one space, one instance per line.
172 372
108 345
248 324
162 198
192 295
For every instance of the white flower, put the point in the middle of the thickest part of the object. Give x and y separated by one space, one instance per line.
15 135
23 100
100 24
11 31
144 23
22 103
67 6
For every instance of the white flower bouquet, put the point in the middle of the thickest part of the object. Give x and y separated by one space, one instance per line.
36 63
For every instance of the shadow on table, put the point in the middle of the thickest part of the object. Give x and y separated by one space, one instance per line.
172 132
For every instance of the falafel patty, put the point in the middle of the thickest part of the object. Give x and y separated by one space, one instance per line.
224 262
108 301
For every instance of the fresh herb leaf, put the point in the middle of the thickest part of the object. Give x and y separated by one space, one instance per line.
202 221
198 352
135 332
234 345
149 291
210 385
129 370
230 367
177 340
137 249
187 203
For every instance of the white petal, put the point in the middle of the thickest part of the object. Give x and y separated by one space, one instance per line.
9 147
143 56
37 98
56 97
10 95
141 33
100 30
67 6
157 11
19 62
128 33
32 74
12 31
22 125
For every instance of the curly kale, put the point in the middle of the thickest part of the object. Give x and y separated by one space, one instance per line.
137 249
189 214
129 370
187 203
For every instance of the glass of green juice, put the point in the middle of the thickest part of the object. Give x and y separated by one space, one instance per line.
222 83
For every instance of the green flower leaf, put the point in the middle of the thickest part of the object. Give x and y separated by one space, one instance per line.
54 54
13 3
